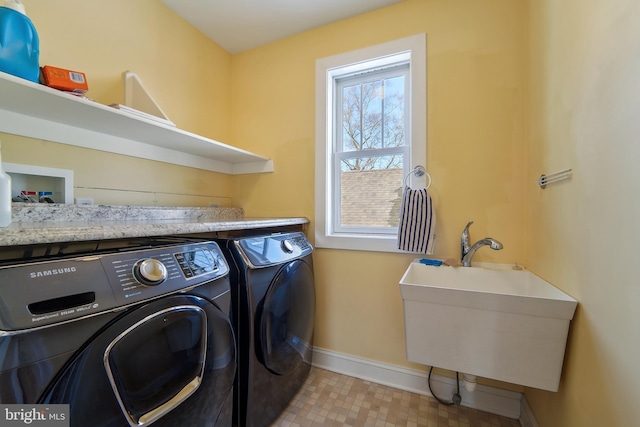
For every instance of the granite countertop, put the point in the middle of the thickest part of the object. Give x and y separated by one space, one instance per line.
34 223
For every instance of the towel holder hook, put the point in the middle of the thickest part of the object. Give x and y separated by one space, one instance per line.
553 177
418 171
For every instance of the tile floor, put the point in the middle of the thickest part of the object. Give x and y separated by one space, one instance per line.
330 399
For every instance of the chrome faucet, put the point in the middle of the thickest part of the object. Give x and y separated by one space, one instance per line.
468 251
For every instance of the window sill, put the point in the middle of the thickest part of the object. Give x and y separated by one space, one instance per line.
378 243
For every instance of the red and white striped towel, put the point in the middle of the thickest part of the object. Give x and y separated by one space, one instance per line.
416 230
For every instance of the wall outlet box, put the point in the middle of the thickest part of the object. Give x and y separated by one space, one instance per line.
84 201
59 182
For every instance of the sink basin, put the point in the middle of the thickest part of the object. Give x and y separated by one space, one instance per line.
491 321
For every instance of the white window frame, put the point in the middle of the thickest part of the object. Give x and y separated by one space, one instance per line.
412 48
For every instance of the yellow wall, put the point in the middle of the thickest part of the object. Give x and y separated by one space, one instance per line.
477 57
187 74
583 234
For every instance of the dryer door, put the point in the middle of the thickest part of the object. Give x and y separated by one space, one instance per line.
168 362
286 319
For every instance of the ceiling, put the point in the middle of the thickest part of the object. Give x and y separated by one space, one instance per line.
239 25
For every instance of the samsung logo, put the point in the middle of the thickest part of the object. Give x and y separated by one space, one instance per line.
53 272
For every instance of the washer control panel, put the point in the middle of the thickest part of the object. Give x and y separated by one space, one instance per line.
42 293
272 249
140 275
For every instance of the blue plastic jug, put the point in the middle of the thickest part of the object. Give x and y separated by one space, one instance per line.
19 45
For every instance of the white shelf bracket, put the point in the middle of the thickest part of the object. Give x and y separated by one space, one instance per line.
137 97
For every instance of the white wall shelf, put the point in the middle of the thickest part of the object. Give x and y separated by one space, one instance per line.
36 111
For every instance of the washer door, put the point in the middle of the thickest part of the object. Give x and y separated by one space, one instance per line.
286 319
168 362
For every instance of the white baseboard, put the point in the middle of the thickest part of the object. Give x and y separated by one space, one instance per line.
526 415
489 399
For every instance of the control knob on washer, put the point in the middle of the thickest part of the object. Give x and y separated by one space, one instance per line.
287 246
150 272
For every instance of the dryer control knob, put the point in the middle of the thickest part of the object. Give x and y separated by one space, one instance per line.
287 246
150 272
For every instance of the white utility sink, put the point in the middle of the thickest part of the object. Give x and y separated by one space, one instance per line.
491 321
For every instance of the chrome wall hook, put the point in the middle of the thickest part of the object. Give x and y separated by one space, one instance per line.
553 177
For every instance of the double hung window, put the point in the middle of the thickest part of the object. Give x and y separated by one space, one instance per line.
371 114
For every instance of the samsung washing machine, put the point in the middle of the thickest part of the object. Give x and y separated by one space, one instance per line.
125 332
273 305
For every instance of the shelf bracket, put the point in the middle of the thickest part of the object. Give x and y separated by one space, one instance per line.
137 97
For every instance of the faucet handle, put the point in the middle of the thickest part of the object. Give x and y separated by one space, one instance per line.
464 240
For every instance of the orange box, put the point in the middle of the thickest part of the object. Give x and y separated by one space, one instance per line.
59 78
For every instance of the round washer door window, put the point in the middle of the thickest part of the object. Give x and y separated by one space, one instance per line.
153 373
159 363
286 319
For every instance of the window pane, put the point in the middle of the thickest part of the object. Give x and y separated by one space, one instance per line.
370 196
370 163
373 114
394 112
351 118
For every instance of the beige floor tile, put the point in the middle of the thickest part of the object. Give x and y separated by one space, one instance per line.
334 400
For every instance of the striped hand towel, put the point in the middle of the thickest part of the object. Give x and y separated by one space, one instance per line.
416 230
